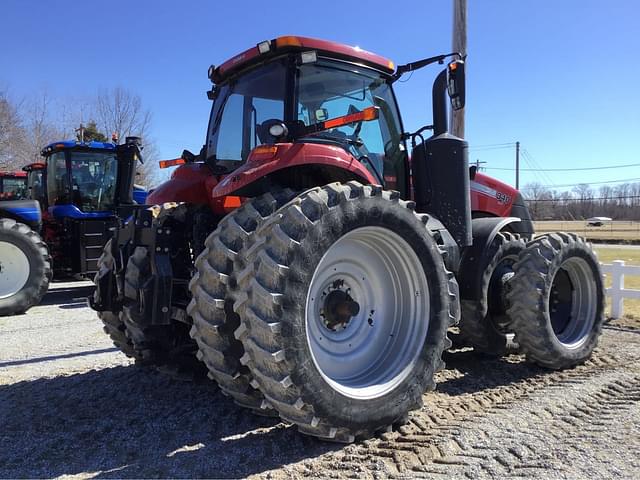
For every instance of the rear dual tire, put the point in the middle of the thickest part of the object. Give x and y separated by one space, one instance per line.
557 300
311 246
484 322
214 291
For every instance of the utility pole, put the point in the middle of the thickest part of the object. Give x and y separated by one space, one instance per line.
80 132
459 44
517 165
478 162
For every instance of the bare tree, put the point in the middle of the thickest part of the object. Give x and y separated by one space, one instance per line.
120 112
76 110
11 132
39 128
538 196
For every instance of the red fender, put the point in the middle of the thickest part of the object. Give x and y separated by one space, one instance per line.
268 159
188 183
491 196
192 183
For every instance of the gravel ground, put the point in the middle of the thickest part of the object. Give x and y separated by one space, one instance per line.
72 405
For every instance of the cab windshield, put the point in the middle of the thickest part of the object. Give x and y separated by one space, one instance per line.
302 95
84 179
327 90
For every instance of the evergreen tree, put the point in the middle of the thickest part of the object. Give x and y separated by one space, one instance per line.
91 133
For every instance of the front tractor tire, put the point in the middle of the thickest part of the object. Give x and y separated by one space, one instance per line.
112 322
557 300
345 310
166 346
25 267
484 322
213 294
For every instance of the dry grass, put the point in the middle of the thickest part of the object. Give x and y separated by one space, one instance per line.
617 230
631 256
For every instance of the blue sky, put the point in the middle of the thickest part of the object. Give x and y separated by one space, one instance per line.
559 76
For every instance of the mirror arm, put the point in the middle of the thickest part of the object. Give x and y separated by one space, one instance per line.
410 67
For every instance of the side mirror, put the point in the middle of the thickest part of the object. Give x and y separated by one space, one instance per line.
456 84
188 156
321 114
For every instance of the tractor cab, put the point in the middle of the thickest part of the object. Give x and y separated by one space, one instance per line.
81 186
299 92
36 183
81 179
13 186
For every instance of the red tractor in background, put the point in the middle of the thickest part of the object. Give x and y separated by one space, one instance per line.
315 267
13 185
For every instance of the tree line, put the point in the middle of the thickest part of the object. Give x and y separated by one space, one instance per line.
27 125
620 202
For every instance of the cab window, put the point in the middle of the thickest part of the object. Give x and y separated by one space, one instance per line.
328 90
57 179
247 104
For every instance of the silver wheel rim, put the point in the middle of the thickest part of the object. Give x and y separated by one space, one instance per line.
14 269
580 303
379 345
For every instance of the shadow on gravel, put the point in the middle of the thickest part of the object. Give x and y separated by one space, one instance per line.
132 422
482 372
49 358
68 297
622 329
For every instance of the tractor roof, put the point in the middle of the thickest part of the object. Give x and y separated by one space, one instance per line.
13 174
294 43
34 166
68 144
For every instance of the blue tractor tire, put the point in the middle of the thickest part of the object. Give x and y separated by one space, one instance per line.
25 267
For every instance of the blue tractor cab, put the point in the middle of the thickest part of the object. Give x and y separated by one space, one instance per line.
86 182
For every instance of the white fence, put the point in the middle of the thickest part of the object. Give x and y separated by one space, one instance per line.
617 292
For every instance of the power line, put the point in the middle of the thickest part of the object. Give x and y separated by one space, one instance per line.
536 165
489 148
624 180
566 169
488 145
565 200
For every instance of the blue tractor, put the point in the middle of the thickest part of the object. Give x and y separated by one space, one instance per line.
79 186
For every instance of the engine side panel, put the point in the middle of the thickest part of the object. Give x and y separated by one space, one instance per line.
491 196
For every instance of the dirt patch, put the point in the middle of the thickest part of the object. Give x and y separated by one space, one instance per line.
72 405
630 322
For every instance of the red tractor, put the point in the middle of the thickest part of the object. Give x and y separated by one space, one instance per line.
13 185
315 267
